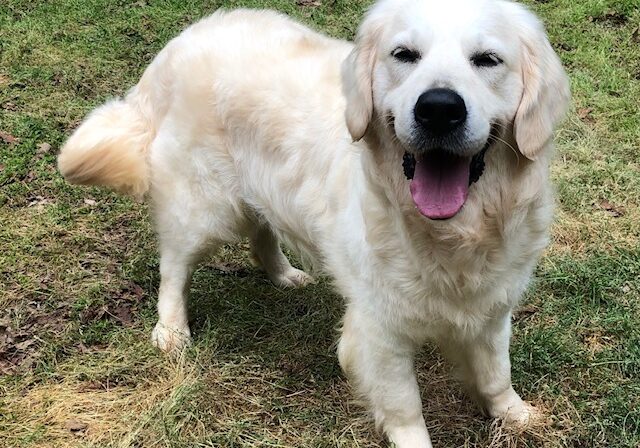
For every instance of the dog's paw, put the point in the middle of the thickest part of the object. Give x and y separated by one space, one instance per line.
292 278
409 436
170 340
524 415
517 413
514 411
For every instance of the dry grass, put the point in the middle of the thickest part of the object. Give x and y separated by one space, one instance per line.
76 411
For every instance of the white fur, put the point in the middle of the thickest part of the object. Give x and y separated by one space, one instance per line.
247 120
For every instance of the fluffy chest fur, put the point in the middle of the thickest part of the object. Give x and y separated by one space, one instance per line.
434 276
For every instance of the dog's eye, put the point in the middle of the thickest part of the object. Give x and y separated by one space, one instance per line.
487 59
405 55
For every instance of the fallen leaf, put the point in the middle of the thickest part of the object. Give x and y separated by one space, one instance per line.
93 313
137 290
74 425
23 361
635 36
525 311
231 268
8 138
43 148
311 3
584 114
123 314
90 385
614 210
90 202
24 344
39 202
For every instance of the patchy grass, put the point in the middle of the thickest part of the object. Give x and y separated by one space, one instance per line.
79 269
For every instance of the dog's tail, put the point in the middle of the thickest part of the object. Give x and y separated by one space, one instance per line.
110 148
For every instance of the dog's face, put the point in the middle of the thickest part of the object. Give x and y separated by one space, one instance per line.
444 79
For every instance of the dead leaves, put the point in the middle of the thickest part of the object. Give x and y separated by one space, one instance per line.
122 308
121 312
24 331
611 18
17 347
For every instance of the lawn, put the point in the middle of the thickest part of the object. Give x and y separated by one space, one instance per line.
79 266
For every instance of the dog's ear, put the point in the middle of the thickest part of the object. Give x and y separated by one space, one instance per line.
546 87
357 77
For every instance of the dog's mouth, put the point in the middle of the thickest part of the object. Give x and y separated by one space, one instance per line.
440 180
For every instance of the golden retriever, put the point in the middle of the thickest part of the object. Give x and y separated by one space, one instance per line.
411 166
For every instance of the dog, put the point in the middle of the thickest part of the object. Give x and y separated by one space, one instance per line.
412 166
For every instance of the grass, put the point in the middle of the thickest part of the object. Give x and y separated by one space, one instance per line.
79 267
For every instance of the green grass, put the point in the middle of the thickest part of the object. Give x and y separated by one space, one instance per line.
79 267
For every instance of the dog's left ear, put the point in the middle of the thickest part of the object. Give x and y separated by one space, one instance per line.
357 77
546 87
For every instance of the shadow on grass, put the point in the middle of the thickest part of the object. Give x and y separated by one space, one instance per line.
272 357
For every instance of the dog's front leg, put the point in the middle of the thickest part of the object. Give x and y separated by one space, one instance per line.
380 365
484 359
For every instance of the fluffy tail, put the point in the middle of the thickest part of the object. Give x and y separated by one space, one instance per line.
110 148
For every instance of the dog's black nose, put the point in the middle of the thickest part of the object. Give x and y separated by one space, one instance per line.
440 111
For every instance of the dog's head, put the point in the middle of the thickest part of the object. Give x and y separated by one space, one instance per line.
444 79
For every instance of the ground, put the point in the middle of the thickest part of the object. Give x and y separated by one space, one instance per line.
79 266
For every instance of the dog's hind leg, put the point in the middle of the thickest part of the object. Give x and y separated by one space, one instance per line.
178 257
267 253
186 231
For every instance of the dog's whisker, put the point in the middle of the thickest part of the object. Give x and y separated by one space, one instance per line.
506 143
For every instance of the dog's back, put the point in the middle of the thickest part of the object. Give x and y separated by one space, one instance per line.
220 71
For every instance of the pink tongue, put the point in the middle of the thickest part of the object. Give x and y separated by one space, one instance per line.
440 184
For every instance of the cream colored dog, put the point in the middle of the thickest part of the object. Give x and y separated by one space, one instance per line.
429 205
